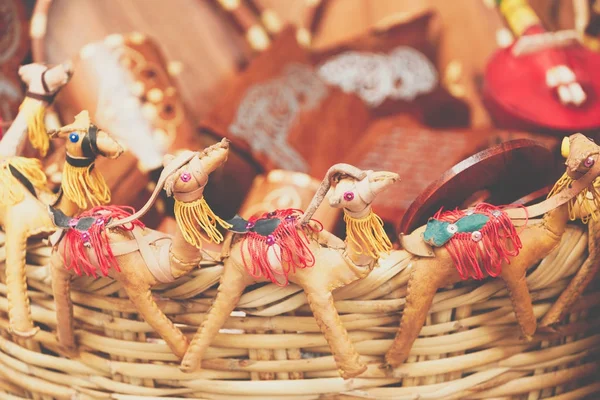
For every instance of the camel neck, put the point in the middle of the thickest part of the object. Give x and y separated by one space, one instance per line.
356 245
185 257
556 220
13 141
67 206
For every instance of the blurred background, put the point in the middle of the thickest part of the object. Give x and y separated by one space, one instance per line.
411 86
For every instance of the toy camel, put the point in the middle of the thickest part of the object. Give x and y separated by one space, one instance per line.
585 207
285 246
43 83
480 242
24 198
109 241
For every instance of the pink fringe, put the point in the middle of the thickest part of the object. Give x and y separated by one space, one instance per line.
293 244
76 256
500 241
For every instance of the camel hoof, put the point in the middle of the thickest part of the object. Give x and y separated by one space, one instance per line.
348 374
24 334
69 352
549 323
188 367
394 360
527 338
547 329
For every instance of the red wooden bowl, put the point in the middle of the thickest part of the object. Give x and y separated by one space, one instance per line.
504 173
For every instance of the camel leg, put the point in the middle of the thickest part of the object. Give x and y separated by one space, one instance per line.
580 281
425 279
61 289
513 275
232 285
346 357
144 302
19 310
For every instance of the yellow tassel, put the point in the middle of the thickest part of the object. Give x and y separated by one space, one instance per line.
585 205
11 190
36 126
84 186
197 214
367 235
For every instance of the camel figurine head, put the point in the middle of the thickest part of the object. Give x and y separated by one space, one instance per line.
83 184
196 220
85 141
193 176
44 80
581 153
43 83
352 189
355 191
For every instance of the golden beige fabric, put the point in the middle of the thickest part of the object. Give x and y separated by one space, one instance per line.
539 238
334 267
170 258
31 111
29 218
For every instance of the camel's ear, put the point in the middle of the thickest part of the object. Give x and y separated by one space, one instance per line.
383 176
565 147
336 178
167 158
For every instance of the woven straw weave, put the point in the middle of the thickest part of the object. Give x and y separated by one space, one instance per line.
271 348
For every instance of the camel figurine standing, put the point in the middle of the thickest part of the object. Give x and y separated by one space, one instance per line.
585 207
285 245
24 198
112 242
480 242
43 83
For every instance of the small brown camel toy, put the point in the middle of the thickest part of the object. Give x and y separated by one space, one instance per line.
483 241
43 83
109 241
285 246
585 207
24 198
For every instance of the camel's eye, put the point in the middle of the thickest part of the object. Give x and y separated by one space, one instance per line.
74 137
589 162
348 196
185 177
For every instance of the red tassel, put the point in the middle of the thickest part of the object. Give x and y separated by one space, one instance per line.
498 243
294 251
76 255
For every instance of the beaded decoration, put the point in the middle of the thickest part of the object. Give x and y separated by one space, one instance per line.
87 234
478 239
275 236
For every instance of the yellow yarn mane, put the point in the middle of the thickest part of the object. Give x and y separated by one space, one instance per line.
36 125
367 235
198 214
84 186
11 190
587 202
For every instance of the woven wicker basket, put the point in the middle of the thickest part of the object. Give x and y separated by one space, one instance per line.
272 348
